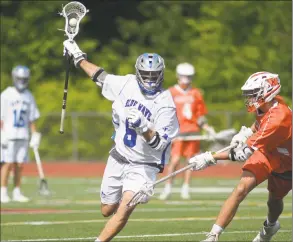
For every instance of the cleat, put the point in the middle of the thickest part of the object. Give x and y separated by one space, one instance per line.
211 237
5 198
267 232
165 195
19 198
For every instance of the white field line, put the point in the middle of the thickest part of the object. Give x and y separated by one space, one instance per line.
138 236
137 210
39 223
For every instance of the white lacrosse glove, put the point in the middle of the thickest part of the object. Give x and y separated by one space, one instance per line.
202 161
73 50
137 121
4 140
35 140
241 138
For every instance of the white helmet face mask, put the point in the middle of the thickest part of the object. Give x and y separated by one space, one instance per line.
185 73
260 88
20 76
150 73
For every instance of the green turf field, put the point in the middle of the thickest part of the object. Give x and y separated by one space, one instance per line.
72 214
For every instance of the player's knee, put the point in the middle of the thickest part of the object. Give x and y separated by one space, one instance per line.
108 210
241 191
274 203
174 161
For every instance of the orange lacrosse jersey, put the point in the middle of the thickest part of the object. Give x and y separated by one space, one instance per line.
274 136
190 106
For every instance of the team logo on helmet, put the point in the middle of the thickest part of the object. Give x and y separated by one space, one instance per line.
260 88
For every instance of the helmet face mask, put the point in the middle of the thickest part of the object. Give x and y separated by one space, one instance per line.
186 80
260 88
150 73
20 76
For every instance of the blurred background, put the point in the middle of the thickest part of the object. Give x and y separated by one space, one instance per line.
226 41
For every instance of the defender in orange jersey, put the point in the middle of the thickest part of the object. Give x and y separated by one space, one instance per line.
266 149
191 111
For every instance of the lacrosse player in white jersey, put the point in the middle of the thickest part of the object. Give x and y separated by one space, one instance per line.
145 122
18 113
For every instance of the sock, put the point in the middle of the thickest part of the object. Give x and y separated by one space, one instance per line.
270 223
168 187
16 190
3 190
98 240
217 229
185 186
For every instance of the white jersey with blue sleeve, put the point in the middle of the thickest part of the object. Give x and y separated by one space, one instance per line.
159 110
18 110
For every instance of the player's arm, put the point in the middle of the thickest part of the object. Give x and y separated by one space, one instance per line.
96 73
202 121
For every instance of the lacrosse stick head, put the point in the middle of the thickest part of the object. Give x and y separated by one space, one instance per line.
142 196
73 12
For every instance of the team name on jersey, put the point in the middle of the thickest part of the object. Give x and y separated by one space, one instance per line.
144 110
17 102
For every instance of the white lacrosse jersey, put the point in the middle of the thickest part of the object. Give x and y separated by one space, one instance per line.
18 109
160 110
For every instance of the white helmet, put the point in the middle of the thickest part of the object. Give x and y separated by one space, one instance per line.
260 88
185 72
20 76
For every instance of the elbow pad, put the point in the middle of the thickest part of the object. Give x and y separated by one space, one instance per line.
99 77
157 142
241 153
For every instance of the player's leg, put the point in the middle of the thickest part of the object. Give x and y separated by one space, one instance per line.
255 170
21 157
111 187
134 178
278 189
7 156
176 152
117 222
191 148
5 171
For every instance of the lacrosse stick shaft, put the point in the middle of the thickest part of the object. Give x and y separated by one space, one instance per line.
188 167
65 93
39 163
194 137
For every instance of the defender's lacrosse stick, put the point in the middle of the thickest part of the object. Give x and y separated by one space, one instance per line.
148 189
224 135
73 12
43 187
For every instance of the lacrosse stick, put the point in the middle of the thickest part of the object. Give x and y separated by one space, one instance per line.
73 12
148 189
43 187
224 135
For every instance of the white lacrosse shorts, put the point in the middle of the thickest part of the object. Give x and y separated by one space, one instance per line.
16 151
121 177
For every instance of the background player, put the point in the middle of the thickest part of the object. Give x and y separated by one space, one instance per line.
266 148
144 117
18 113
191 111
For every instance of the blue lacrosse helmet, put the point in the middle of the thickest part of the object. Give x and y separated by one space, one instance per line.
20 77
150 73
